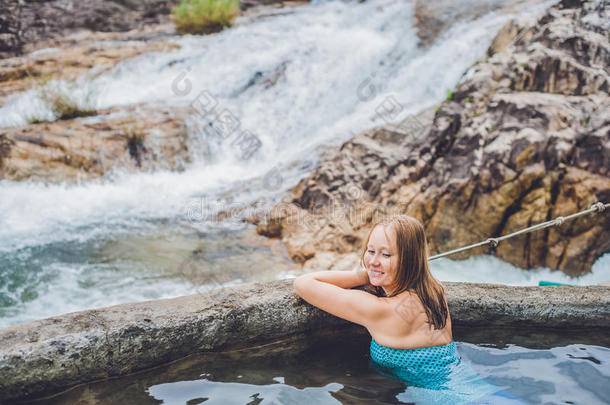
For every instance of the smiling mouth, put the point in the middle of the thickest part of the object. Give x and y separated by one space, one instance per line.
377 272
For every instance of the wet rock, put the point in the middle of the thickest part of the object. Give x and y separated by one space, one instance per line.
264 79
49 355
525 138
134 138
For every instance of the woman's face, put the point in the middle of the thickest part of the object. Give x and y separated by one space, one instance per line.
380 257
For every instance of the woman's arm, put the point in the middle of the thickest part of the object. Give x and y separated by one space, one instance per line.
340 278
331 292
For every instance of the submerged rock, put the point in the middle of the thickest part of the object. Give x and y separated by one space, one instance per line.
524 138
42 357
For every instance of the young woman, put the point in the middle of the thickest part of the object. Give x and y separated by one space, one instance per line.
406 312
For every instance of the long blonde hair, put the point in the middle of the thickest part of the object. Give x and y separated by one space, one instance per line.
412 271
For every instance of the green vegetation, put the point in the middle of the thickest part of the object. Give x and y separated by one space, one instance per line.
204 16
449 95
467 100
64 106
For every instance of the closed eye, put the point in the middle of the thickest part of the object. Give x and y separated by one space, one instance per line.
386 255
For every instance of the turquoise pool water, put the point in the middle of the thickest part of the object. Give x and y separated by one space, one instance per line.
497 366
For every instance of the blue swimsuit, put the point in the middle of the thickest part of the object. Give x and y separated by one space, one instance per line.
427 367
437 375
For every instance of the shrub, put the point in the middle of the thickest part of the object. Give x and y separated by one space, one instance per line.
204 16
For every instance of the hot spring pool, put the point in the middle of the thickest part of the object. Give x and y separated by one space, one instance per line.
525 366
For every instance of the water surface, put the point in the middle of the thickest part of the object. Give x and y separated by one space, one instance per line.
525 366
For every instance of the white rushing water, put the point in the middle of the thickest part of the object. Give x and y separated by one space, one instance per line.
489 269
313 76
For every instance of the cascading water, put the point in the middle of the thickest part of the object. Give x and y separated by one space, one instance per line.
311 76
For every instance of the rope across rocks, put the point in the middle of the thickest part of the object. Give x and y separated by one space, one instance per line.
493 242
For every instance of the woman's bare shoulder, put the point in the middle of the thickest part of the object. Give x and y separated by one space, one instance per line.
407 305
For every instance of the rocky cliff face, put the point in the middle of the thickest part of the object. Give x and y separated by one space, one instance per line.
524 138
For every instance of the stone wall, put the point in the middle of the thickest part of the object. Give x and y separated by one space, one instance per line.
49 355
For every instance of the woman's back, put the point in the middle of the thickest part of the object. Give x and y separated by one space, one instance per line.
406 325
406 346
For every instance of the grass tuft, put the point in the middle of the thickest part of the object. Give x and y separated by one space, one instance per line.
63 106
204 16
